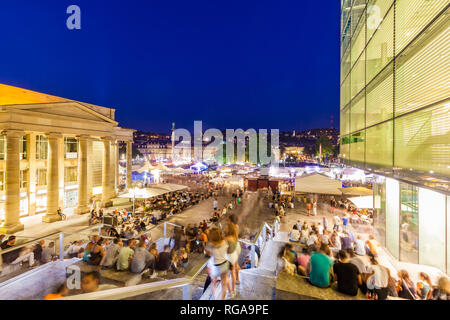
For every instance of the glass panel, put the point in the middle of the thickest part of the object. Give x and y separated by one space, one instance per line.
412 17
2 147
70 174
392 216
424 78
380 49
2 180
409 224
422 140
345 147
380 100
345 121
358 114
379 145
357 145
42 177
345 67
358 42
23 147
376 11
357 76
432 228
345 92
379 214
41 147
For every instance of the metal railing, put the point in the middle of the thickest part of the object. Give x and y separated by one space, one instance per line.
185 283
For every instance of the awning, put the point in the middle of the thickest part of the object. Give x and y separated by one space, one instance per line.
147 167
170 187
365 202
356 191
144 193
317 183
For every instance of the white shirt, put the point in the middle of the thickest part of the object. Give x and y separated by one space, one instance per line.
311 240
215 204
337 220
320 229
294 235
380 278
360 247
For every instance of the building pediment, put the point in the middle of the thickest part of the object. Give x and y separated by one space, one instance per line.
73 110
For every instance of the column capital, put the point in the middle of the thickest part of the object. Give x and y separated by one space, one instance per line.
13 133
107 138
53 135
84 137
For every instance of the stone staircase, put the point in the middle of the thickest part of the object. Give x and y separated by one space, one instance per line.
256 283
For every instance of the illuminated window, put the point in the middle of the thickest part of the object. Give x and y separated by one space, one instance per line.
409 223
23 147
2 147
379 146
41 147
2 180
24 178
41 177
70 148
70 174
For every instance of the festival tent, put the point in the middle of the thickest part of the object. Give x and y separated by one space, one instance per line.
144 193
362 202
356 191
217 180
160 167
170 187
147 167
317 183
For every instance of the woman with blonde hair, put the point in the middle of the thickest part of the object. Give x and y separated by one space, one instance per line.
219 266
234 250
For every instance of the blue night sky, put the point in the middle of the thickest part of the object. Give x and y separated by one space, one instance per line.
232 64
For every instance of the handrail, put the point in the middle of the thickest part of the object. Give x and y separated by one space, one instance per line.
46 237
132 291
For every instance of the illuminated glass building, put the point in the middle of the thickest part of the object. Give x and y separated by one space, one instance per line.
395 119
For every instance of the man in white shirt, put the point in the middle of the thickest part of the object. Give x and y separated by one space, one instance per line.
312 239
337 222
294 235
360 249
215 204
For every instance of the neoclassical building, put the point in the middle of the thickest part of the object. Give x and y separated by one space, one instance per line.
55 152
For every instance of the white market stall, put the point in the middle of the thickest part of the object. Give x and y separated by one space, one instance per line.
318 184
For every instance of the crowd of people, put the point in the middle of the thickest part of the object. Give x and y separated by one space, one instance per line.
34 255
336 255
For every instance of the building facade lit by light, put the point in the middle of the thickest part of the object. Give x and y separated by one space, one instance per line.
55 152
395 119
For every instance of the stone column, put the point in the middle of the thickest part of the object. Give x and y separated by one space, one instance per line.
53 179
117 159
106 174
129 157
12 183
31 154
83 200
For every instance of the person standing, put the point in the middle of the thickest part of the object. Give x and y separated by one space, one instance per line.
315 208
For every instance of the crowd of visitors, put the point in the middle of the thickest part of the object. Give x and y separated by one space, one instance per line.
328 256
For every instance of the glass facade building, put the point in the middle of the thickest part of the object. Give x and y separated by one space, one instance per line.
395 119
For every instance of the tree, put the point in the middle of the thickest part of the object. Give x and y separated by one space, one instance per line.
327 146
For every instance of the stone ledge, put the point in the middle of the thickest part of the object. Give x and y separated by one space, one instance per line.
297 288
